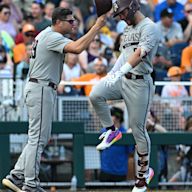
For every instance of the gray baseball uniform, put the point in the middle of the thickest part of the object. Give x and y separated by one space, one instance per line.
137 93
46 66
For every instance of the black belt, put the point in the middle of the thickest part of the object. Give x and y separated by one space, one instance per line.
133 76
50 84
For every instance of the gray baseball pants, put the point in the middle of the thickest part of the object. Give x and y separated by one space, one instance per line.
137 95
40 101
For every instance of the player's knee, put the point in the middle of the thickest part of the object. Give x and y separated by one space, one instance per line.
94 97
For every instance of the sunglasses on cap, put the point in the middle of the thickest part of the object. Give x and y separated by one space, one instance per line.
29 34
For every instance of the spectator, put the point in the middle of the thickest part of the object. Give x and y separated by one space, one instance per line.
5 23
162 60
110 56
100 66
93 51
146 9
184 158
7 41
37 10
28 19
173 113
186 58
161 63
89 22
86 7
28 35
71 69
174 73
171 31
154 125
16 14
186 63
106 37
49 7
23 66
55 2
24 5
5 68
186 22
176 8
114 160
75 34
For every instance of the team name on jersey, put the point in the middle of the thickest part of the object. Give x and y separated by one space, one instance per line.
130 39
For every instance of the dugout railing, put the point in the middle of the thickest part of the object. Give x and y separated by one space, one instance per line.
81 139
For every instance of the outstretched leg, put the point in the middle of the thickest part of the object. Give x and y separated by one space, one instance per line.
98 97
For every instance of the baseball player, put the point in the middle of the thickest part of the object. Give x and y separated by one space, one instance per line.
46 66
130 79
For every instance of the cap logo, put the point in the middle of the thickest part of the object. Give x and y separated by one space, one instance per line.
115 6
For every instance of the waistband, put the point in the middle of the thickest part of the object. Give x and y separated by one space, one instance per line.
50 84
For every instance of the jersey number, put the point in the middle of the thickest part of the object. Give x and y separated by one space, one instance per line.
34 48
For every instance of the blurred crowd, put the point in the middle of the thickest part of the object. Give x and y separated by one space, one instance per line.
21 21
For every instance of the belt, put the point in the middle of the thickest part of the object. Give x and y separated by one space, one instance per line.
133 76
50 84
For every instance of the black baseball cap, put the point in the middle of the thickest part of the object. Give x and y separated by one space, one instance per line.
166 13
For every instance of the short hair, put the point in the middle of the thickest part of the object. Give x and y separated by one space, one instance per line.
118 113
166 13
41 3
4 6
60 13
102 59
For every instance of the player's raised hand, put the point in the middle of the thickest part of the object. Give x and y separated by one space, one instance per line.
100 22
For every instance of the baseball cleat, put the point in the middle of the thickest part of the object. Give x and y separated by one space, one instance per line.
141 184
109 137
150 176
10 185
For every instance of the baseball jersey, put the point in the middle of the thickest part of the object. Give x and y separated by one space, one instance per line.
46 62
145 35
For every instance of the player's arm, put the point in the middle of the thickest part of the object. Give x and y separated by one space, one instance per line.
82 43
132 61
149 38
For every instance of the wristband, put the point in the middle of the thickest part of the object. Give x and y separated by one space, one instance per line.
126 68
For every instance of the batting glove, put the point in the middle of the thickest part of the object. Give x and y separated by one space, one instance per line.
113 78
